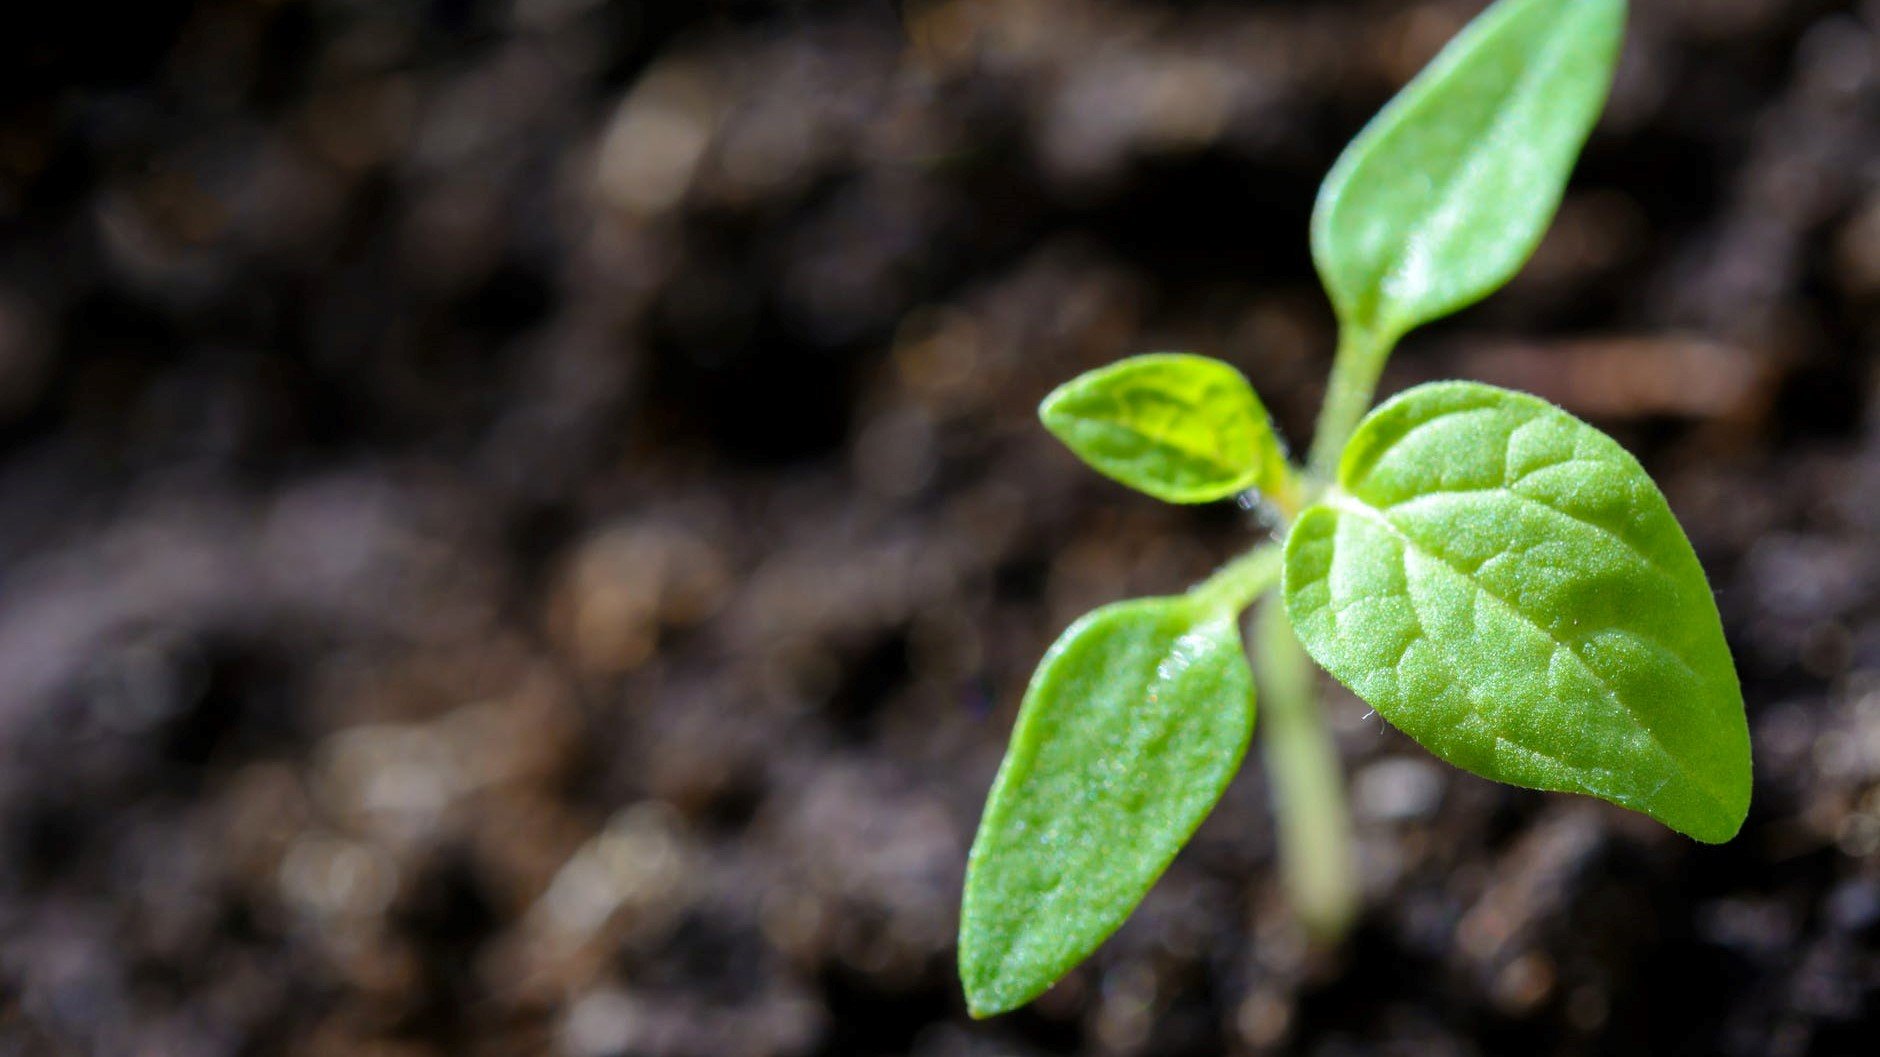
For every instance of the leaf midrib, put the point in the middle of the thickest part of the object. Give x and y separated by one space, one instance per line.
1199 455
1604 532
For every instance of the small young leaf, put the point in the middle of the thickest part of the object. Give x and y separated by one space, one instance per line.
1443 197
1503 583
1132 726
1185 429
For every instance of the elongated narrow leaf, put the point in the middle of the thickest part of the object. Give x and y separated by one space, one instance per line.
1185 429
1444 196
1503 582
1133 725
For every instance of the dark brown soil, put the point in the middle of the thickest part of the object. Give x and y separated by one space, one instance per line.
524 524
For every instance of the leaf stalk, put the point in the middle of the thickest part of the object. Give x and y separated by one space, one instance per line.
1355 371
1240 582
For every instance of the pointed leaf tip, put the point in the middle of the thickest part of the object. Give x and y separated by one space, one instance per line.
1446 193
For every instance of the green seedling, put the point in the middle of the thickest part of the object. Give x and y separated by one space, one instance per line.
1497 579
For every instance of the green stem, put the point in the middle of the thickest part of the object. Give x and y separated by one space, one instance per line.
1234 586
1317 864
1315 844
1355 370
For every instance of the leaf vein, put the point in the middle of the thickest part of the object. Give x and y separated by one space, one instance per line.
1208 457
1346 504
1605 531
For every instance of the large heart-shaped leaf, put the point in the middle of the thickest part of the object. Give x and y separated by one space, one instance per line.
1443 197
1183 428
1503 582
1134 723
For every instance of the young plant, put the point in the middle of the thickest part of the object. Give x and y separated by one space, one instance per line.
1497 579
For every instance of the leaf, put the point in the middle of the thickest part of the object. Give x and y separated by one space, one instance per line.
1133 724
1183 428
1443 197
1503 583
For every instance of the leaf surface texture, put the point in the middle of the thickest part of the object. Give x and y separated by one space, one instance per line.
1131 729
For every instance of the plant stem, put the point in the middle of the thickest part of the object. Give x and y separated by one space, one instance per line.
1234 586
1317 865
1355 370
1315 843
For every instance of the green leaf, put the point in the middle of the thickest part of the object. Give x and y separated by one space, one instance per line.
1135 721
1503 583
1443 197
1185 429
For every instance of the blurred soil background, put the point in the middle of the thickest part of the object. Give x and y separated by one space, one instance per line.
522 526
